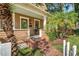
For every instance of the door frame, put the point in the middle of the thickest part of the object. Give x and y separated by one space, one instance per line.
38 21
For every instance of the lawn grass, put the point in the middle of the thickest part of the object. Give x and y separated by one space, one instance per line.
58 47
73 39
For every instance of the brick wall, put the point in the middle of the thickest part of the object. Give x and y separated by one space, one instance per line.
20 34
2 34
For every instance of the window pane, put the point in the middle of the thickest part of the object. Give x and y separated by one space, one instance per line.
24 24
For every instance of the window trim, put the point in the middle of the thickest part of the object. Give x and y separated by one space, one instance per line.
36 20
27 21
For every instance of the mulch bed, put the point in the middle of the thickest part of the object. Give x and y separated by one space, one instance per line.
58 41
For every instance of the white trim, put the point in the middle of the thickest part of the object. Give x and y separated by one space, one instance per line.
36 20
20 29
40 32
28 25
44 23
20 8
13 18
40 9
27 20
37 9
39 24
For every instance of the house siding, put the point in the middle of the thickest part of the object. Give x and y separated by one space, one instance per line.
22 34
31 20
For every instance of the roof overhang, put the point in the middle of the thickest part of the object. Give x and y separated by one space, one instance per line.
30 10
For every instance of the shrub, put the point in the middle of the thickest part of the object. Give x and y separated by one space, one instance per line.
30 52
52 35
38 53
25 52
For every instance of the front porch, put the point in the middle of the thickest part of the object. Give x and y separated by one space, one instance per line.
27 26
28 21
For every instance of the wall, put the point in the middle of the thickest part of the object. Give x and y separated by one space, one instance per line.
21 34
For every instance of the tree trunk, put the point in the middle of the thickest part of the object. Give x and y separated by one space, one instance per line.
6 17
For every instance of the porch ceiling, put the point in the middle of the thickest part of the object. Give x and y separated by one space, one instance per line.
19 8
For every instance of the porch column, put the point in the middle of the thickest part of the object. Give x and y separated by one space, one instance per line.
28 33
28 30
13 19
40 32
44 24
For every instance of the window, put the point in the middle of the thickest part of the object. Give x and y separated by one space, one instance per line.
24 23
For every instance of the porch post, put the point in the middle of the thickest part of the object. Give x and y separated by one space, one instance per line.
28 30
74 50
40 32
44 24
28 33
13 18
68 48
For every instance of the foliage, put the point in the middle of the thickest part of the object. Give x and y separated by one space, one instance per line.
76 31
54 7
74 40
30 52
25 52
76 5
60 19
37 52
52 35
61 22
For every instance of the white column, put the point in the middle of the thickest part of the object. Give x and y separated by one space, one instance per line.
28 30
28 33
44 24
68 45
13 18
64 47
40 32
74 50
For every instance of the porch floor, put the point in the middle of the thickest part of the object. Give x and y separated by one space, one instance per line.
35 37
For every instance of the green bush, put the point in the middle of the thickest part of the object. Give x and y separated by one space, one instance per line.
25 52
38 53
29 52
76 31
52 35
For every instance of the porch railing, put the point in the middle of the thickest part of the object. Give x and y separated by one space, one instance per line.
5 49
68 50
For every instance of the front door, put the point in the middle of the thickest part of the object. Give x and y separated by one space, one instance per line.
36 27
